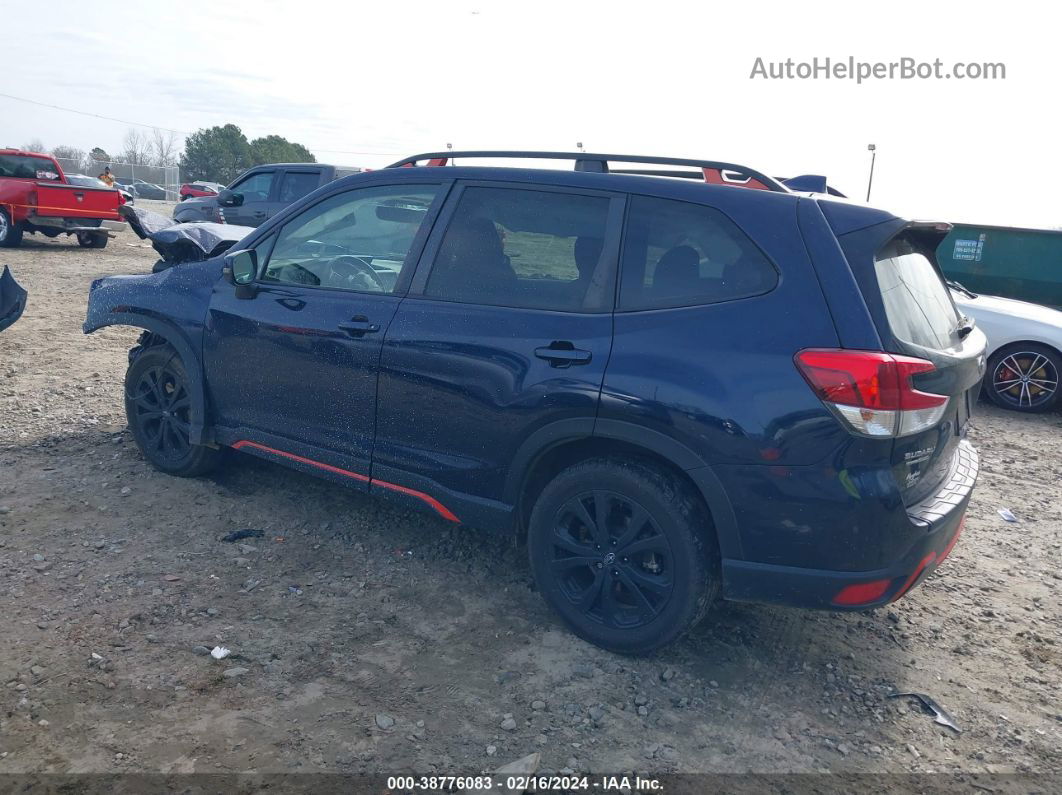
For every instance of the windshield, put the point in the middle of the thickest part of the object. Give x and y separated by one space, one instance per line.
916 300
28 167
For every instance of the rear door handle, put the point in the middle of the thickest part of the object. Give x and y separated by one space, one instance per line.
563 354
358 325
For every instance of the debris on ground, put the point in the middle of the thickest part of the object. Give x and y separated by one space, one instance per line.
239 535
941 715
219 652
1007 515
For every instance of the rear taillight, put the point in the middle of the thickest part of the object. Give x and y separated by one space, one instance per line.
871 391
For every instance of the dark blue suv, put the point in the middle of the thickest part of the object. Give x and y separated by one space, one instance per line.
678 381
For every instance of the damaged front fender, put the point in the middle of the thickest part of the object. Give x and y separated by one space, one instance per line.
171 305
12 299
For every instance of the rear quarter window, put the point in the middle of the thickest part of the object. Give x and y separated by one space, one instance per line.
916 300
678 253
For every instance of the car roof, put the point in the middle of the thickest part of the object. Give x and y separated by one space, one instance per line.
24 152
668 187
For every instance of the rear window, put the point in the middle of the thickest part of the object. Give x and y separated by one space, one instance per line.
26 167
916 300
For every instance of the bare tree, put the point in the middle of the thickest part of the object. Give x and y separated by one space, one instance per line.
70 157
35 145
164 150
136 148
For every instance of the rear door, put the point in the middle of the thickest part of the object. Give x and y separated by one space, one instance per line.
916 316
259 199
293 185
506 331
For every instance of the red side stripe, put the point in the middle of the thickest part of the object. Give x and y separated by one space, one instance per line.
345 472
435 505
439 508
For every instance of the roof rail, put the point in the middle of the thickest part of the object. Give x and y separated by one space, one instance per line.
712 171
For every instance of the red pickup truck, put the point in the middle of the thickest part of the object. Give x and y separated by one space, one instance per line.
35 196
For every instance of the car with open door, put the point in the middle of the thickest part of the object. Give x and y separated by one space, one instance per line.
673 389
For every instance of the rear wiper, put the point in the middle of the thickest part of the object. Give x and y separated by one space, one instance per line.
961 289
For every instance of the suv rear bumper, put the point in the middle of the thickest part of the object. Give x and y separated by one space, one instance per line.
939 518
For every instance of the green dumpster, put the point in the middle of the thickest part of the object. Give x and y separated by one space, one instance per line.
1005 260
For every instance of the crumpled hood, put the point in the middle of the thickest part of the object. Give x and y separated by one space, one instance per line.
178 243
12 299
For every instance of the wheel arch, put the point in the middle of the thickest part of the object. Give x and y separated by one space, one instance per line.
168 333
1017 343
568 442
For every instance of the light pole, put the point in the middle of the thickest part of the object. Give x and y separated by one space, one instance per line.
873 155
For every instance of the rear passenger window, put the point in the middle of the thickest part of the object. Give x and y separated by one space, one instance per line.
523 248
681 254
297 184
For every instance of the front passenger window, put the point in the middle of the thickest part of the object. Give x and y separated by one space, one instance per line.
256 188
358 240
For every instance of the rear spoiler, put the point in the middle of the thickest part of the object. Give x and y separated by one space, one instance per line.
810 183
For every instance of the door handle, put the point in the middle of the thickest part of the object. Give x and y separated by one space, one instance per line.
358 326
562 353
259 214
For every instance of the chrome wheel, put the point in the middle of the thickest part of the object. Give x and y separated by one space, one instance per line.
5 227
1025 380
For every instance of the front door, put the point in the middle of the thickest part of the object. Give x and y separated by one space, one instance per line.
293 370
259 194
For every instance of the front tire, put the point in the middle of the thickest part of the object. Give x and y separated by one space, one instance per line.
1024 377
10 232
624 553
158 404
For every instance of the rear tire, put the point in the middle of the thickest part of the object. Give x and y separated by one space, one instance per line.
1024 377
10 232
158 405
92 239
624 553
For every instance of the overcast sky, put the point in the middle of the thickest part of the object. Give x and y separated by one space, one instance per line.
655 78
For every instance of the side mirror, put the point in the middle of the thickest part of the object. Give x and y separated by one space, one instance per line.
243 264
228 198
241 268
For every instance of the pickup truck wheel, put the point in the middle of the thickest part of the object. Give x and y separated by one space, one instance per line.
624 552
158 406
92 239
10 232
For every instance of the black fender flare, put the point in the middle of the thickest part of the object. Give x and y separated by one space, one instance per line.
666 447
199 432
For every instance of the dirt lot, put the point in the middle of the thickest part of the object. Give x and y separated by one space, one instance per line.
367 638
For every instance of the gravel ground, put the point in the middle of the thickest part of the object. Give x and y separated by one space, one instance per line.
367 638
